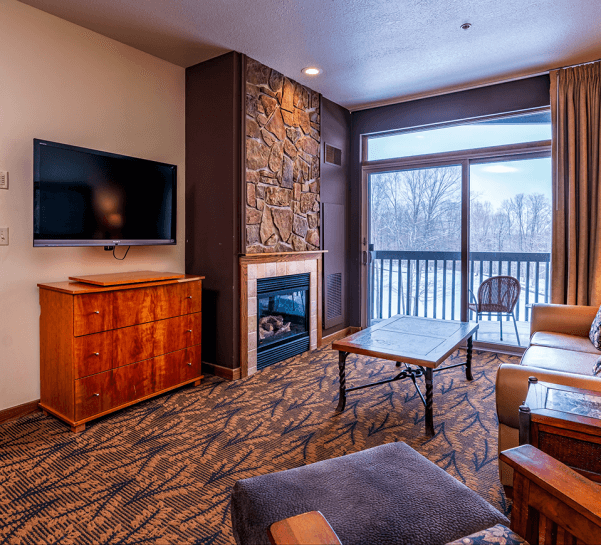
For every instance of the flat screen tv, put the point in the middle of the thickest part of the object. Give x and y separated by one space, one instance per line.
84 197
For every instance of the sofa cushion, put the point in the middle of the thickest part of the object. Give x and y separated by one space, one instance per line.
385 494
563 341
595 332
557 359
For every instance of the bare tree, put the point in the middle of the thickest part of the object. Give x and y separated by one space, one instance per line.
539 219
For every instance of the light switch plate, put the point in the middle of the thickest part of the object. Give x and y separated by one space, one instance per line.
3 179
3 236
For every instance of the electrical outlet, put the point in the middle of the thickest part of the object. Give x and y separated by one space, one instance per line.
3 236
3 179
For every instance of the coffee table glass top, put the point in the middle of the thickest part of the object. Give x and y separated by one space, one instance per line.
422 341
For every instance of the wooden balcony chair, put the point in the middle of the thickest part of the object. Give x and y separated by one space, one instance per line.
498 295
552 505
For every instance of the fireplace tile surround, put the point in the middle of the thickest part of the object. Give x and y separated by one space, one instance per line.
271 265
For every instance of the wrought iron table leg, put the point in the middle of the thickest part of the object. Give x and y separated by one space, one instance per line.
341 371
429 404
468 361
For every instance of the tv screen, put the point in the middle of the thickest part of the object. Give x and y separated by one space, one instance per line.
84 197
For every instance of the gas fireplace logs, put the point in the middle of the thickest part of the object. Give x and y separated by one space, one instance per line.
272 325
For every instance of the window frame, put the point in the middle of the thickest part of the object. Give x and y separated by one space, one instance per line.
442 125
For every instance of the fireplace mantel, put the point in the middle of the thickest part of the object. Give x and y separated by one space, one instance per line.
268 257
253 266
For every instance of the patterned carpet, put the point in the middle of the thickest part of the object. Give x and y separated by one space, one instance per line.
162 471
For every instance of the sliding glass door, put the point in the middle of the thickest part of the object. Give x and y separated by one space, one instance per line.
415 243
510 236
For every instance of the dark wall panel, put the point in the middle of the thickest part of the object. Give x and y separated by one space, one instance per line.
335 191
494 99
334 270
213 155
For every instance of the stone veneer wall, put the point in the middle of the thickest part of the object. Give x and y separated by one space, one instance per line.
282 163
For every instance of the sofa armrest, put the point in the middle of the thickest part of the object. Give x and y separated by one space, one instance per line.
512 387
568 319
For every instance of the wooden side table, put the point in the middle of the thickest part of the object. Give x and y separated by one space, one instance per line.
564 422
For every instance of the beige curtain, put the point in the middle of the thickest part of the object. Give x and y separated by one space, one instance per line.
576 255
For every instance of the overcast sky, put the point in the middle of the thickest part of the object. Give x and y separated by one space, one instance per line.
496 182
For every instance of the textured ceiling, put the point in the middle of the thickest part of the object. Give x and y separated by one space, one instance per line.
371 51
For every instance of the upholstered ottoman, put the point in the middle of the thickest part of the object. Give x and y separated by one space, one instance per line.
386 494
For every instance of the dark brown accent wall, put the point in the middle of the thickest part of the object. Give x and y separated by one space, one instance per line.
335 192
507 97
214 125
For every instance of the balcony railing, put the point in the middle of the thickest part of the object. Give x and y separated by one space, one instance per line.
428 284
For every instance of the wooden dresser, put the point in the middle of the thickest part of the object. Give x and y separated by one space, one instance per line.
116 340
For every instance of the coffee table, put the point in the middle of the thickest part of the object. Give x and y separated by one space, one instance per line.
421 344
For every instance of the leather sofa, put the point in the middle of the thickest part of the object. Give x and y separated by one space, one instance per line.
560 352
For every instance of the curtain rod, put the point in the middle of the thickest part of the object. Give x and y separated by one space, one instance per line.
575 65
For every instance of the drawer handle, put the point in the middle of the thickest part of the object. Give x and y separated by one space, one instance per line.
96 312
189 297
189 364
96 353
189 331
95 395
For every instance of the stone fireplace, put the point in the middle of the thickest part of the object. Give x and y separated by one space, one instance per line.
290 265
282 163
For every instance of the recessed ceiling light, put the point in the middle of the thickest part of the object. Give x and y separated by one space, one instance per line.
311 71
465 26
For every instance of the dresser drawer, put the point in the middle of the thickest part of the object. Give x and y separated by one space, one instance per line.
172 334
178 299
94 395
192 297
133 382
177 367
93 353
113 389
191 368
145 341
195 321
134 343
135 306
92 312
170 301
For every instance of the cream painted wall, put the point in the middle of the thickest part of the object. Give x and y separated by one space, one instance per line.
61 82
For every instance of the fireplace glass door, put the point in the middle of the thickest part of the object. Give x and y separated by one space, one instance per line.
282 318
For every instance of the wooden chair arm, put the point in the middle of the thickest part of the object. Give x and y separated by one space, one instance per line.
549 497
306 529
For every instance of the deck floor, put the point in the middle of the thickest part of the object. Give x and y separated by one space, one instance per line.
489 332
